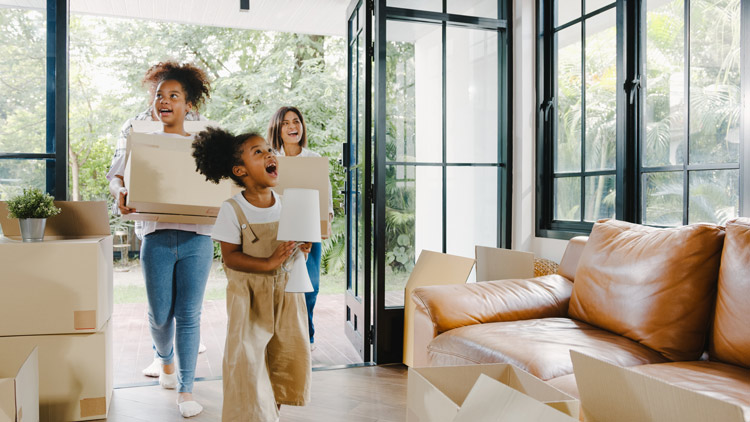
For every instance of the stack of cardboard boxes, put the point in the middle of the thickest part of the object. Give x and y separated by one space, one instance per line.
57 297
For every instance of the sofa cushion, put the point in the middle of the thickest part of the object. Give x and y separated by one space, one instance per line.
730 340
538 346
719 380
655 286
567 384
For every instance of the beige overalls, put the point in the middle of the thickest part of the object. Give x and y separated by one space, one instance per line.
267 352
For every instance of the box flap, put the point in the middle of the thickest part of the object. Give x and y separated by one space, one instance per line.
77 219
491 400
503 264
27 388
455 382
610 393
431 269
191 126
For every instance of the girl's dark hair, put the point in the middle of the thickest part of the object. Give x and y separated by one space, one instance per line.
274 127
216 151
192 78
153 75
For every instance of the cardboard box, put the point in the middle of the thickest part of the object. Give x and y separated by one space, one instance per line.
306 173
170 218
63 284
438 394
75 373
610 393
19 386
161 178
431 269
190 126
503 264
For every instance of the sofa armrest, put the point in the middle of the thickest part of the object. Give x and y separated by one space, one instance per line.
453 306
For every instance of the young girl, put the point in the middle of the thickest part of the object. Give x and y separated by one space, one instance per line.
175 258
287 134
266 357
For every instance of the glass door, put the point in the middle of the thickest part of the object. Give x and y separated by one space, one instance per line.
358 162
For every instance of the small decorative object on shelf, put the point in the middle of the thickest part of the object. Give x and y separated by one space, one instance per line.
32 208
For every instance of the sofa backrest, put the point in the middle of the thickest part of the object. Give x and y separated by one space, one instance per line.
730 337
571 256
651 285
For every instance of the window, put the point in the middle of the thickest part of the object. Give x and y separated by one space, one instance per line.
639 113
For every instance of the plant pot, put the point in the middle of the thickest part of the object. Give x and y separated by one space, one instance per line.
32 229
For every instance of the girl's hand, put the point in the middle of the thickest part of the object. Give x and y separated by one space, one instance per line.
306 248
280 255
121 202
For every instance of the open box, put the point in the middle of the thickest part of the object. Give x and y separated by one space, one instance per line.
456 393
162 182
610 393
306 173
63 284
75 373
19 385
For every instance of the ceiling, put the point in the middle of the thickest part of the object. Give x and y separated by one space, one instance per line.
319 17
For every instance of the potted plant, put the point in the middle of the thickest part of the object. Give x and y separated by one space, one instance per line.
32 208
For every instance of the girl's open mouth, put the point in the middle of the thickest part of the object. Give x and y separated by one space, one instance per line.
271 169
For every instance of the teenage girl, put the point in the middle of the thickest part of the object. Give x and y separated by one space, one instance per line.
266 356
287 134
175 258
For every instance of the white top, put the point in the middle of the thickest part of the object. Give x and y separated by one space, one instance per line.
310 153
227 227
142 228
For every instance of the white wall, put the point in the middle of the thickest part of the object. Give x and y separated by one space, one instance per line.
524 136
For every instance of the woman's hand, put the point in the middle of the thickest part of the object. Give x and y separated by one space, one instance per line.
280 255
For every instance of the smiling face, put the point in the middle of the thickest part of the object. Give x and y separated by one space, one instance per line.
259 165
170 105
291 128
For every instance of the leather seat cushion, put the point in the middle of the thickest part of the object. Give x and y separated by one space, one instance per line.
719 380
538 346
730 340
655 286
567 384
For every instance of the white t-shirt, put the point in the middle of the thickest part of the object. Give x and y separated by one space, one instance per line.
227 227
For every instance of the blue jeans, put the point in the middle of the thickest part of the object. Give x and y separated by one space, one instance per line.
175 265
313 269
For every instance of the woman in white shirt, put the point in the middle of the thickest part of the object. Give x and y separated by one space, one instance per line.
287 134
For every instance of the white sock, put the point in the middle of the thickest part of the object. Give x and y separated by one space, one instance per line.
189 408
168 381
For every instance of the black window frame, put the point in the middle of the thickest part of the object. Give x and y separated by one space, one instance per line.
631 33
56 155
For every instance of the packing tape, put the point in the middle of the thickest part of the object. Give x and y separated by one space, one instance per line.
84 320
93 407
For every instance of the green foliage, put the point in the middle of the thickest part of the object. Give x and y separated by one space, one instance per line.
32 203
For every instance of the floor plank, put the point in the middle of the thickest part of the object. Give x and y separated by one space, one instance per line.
365 394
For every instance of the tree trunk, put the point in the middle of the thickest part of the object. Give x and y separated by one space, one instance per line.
308 47
75 169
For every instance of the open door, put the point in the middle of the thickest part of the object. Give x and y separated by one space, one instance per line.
358 162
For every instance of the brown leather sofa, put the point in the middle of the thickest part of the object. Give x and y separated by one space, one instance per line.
672 303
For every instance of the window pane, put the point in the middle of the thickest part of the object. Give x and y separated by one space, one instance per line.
481 8
663 194
601 91
567 10
23 67
593 5
568 141
471 85
714 81
430 5
568 199
414 92
413 218
471 209
714 196
15 175
600 197
665 84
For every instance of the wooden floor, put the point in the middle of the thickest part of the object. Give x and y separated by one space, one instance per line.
366 394
132 339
